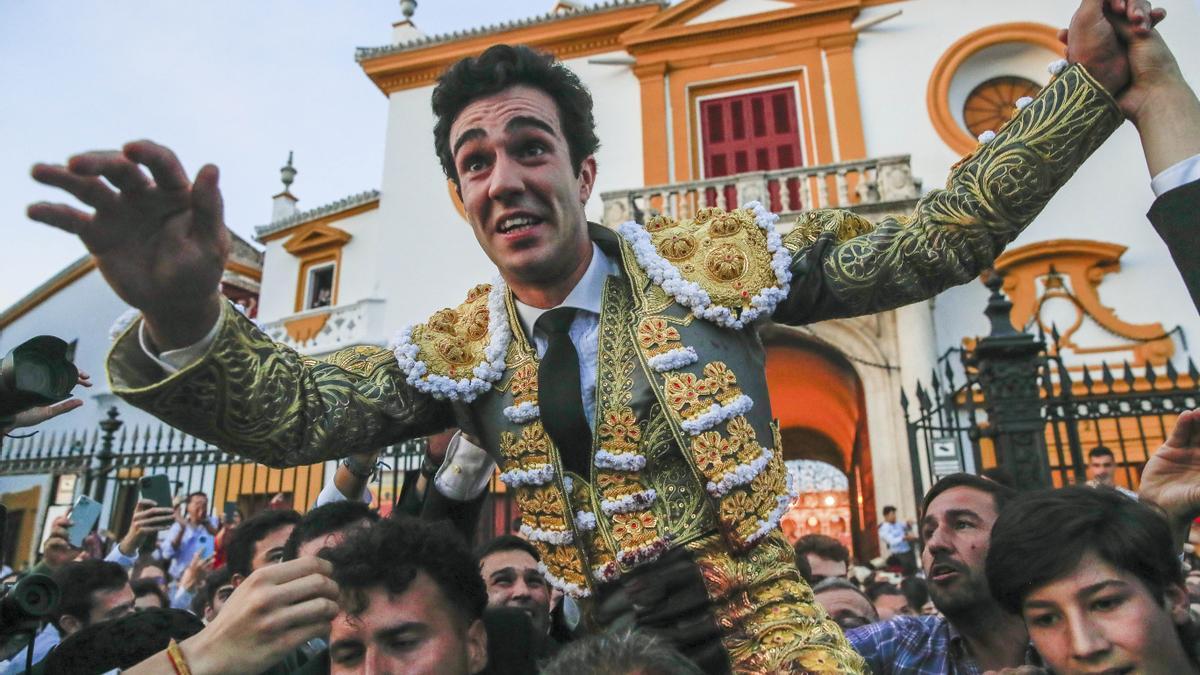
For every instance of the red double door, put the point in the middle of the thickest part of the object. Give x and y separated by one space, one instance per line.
756 131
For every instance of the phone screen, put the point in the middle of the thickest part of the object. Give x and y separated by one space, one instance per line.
84 515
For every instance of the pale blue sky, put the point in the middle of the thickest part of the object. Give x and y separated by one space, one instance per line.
231 82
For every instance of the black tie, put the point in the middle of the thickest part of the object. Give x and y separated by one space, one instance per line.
560 395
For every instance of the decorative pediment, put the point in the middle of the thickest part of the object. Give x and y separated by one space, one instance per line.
1055 285
694 20
318 237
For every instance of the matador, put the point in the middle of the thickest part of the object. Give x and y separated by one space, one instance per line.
665 516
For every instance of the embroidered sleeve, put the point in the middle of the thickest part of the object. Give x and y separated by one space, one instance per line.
842 266
254 397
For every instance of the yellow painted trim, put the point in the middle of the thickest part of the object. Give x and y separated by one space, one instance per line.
28 502
937 94
565 38
325 220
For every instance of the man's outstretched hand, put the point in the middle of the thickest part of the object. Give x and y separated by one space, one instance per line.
1171 479
159 240
1092 41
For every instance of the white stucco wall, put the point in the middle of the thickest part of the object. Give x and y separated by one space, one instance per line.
1106 200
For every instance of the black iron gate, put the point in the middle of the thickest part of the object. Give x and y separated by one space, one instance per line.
1012 408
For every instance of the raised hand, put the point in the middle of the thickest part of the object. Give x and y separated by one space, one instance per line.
271 613
161 244
35 416
148 520
57 549
1171 479
1092 41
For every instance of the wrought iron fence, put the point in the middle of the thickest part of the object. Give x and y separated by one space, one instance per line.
1013 406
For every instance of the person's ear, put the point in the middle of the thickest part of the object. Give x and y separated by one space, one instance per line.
69 624
1175 598
477 656
587 178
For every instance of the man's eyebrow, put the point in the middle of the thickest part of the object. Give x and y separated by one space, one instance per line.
468 135
957 513
523 121
403 627
502 570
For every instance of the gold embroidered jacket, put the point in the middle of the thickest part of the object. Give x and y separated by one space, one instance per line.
685 453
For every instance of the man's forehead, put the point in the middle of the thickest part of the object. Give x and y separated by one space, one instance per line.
516 559
492 113
963 498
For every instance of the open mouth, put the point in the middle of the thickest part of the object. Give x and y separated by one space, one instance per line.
516 224
943 572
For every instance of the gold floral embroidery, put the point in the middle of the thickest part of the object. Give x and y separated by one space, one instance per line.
619 431
525 385
769 621
656 336
452 341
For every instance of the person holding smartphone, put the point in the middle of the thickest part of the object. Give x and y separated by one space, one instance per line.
193 532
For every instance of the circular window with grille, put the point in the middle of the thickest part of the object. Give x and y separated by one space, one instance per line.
992 103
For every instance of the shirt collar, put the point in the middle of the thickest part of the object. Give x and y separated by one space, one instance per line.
585 296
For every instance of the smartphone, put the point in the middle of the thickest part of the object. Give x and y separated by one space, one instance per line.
156 488
230 510
84 515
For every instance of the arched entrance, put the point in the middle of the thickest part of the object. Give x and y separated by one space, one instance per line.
818 399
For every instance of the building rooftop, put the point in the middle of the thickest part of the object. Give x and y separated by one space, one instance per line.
343 204
563 10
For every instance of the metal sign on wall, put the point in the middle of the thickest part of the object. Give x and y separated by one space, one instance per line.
945 457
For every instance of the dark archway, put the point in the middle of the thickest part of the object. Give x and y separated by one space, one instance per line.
818 399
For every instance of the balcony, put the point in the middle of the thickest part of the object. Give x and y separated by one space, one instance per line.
317 332
871 187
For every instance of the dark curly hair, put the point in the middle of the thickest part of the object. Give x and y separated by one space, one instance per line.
504 66
325 520
392 551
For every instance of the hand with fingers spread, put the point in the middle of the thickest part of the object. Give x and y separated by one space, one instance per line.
161 244
1171 479
274 611
35 416
1092 41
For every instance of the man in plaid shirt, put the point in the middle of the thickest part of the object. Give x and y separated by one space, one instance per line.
973 635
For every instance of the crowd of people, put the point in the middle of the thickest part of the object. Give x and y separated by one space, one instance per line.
651 497
1078 579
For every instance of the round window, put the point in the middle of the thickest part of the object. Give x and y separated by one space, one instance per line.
992 103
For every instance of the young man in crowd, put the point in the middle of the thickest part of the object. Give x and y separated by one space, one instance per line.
509 567
827 557
899 539
845 603
889 600
217 588
191 535
91 591
411 601
1097 579
326 526
147 593
259 541
1100 466
974 634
